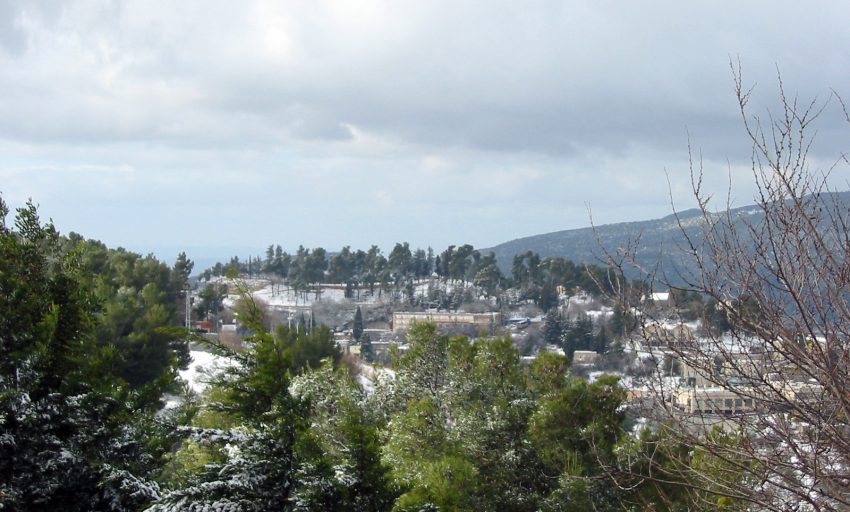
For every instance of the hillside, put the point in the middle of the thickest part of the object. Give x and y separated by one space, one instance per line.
660 240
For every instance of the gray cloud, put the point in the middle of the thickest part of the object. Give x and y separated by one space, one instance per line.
396 116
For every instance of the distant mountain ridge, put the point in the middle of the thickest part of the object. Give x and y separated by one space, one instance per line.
661 240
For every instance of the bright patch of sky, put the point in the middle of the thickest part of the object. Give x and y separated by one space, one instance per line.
201 125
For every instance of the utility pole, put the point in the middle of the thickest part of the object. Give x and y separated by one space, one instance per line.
188 308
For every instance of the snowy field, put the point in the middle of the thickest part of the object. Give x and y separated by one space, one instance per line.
278 295
204 365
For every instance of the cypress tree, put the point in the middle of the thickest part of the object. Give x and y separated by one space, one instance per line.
357 329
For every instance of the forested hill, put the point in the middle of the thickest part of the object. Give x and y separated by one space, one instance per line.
660 240
585 245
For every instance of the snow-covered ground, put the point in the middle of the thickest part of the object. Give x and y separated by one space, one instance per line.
204 365
600 314
278 295
625 381
580 299
368 375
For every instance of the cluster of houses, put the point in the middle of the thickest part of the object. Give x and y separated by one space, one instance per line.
726 377
727 383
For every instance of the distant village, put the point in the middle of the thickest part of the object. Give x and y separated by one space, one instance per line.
699 373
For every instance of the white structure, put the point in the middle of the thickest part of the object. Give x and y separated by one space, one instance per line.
714 400
585 357
475 321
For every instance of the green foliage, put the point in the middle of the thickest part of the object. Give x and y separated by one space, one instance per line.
488 276
576 426
188 460
716 318
211 299
258 471
548 373
62 410
343 438
308 349
252 312
447 483
357 327
366 350
720 459
478 432
553 328
181 271
422 368
263 468
663 473
622 322
538 278
138 296
415 436
581 334
88 345
260 385
396 272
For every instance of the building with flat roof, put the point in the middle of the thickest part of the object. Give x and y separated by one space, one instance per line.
472 323
585 357
715 400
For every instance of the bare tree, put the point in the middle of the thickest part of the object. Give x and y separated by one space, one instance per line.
759 416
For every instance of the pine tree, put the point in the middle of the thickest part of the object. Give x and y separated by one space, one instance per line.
259 471
271 464
553 328
62 411
340 466
181 271
268 264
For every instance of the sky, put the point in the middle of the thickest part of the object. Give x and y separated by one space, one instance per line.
221 127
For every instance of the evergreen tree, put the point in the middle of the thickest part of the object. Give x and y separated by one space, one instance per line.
139 298
548 297
366 351
181 271
341 267
339 462
445 262
62 411
419 266
399 263
373 267
211 299
553 328
575 430
277 262
268 264
259 472
488 277
357 328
